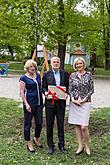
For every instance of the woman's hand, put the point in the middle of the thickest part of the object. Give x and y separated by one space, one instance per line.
28 108
82 101
77 102
66 95
46 95
22 89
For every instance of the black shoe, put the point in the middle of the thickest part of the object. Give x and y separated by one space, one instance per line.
38 145
78 153
63 150
32 151
50 150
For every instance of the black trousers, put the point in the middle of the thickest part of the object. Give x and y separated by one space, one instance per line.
59 112
36 112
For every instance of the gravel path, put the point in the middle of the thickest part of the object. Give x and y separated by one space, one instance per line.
100 99
9 87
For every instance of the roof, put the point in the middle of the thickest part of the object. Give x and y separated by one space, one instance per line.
78 52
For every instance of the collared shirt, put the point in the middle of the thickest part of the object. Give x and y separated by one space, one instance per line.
57 77
81 87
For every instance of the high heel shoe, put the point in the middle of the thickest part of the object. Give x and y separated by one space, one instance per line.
38 144
88 153
78 153
30 150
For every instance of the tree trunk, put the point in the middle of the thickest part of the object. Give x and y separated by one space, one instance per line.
11 52
107 52
105 35
61 53
107 38
62 39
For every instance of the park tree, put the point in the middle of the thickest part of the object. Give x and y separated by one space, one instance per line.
62 24
56 22
17 25
102 12
9 35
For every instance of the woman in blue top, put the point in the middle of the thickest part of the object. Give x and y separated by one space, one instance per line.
30 91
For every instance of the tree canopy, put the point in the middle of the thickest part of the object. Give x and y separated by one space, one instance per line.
58 22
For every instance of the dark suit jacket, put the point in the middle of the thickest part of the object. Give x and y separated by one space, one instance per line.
48 79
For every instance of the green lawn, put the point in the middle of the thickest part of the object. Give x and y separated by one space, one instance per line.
97 71
19 68
16 66
102 71
13 150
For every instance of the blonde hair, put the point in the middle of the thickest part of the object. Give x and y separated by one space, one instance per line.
55 58
29 63
76 60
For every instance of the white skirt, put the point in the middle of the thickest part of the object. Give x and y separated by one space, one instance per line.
79 115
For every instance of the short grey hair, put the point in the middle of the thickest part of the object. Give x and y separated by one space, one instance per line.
29 63
76 60
55 58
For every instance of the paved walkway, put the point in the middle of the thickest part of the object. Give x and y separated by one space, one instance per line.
100 99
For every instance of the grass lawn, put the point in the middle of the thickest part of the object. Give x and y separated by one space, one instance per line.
16 66
13 150
19 68
102 71
98 71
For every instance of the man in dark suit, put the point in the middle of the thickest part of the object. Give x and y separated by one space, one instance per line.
55 77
